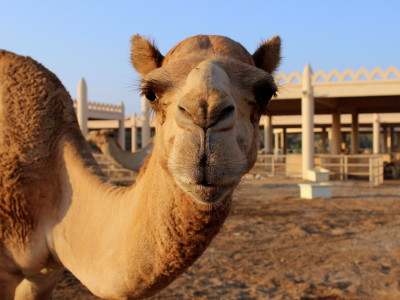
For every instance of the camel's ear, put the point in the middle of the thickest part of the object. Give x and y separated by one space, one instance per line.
145 56
268 55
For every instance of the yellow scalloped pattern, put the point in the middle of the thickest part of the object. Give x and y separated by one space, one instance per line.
346 76
293 77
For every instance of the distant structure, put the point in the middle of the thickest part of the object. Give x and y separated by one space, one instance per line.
334 95
325 106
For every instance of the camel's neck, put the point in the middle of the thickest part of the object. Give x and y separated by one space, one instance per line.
130 240
125 159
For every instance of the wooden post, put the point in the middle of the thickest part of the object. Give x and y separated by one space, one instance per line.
307 121
82 106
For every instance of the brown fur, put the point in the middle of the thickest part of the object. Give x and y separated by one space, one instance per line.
145 53
32 114
206 45
268 55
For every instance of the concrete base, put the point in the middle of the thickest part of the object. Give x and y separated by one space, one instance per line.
315 190
318 175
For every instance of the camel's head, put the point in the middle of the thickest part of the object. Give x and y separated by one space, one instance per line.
208 93
100 137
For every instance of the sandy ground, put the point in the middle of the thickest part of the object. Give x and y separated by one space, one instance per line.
275 245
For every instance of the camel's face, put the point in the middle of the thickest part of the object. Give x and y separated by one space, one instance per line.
207 113
99 138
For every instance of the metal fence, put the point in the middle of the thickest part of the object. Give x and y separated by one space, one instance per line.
341 167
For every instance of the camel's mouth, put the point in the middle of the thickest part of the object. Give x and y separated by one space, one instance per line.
207 193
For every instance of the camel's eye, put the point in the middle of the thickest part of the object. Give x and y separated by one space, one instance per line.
151 96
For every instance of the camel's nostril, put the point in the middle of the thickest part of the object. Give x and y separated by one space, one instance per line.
206 116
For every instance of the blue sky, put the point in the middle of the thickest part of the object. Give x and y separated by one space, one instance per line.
90 38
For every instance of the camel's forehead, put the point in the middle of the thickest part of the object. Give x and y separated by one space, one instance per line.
208 45
206 77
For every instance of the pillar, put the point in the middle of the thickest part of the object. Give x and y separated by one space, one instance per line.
385 139
146 121
375 133
284 141
336 136
324 135
391 139
354 134
82 106
276 142
121 127
307 122
134 133
268 134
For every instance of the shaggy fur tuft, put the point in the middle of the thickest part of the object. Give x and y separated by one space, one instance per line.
268 55
145 56
33 108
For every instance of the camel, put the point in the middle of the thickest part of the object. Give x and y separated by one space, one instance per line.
58 211
106 142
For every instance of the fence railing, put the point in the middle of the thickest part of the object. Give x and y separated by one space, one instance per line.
341 167
357 166
271 164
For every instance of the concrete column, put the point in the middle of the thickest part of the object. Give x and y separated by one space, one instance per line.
268 134
134 133
146 121
354 133
336 136
121 127
324 142
376 133
284 141
385 139
391 139
276 142
307 121
82 106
